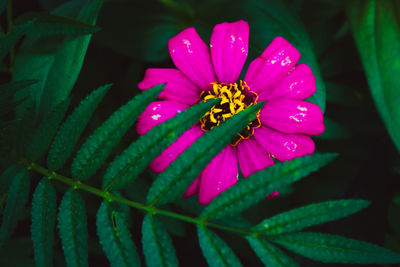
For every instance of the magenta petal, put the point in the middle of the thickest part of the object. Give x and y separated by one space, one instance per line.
229 49
293 116
192 56
192 189
284 146
178 88
156 113
161 162
275 62
252 157
220 174
299 84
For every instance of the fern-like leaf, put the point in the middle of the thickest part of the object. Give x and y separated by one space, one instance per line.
215 250
124 169
115 237
157 245
98 146
69 132
44 208
177 177
252 190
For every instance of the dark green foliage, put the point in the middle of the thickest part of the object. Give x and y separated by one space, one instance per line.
7 178
139 154
69 132
157 246
44 207
98 146
180 174
72 225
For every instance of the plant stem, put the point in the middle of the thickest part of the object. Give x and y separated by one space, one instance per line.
110 197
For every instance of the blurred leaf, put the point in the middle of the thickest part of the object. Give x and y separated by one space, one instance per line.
215 250
133 160
3 4
98 146
342 94
47 24
334 131
70 131
9 89
115 237
157 245
376 32
45 132
10 39
7 177
180 174
332 248
310 215
270 255
16 199
72 224
44 208
248 192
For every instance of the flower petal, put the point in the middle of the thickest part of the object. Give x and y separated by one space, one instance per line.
274 63
284 146
220 174
192 56
169 155
252 157
299 84
293 116
156 113
178 88
192 189
229 49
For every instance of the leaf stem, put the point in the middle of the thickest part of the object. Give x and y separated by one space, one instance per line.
110 197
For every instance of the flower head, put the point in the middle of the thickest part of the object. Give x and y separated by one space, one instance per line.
282 128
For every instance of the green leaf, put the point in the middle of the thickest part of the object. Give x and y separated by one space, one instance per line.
307 216
9 89
16 199
332 248
133 160
180 174
157 245
377 35
269 19
70 131
68 61
44 208
3 4
98 146
215 250
9 40
254 189
45 132
72 224
115 238
47 24
270 255
7 177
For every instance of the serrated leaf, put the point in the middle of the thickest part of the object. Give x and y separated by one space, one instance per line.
133 160
44 207
376 30
16 199
72 224
115 238
157 245
69 132
178 176
9 40
270 255
254 189
98 146
47 24
45 132
215 250
307 216
332 248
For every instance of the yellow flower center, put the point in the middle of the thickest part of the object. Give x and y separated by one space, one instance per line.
235 98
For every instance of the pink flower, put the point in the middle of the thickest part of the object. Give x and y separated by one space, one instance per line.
282 127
